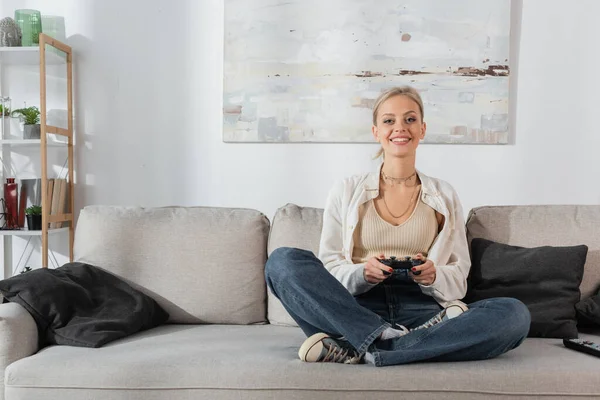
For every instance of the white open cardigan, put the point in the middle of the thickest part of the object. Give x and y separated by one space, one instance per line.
449 251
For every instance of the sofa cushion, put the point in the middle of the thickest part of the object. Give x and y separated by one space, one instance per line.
293 226
544 225
261 362
81 305
201 264
545 278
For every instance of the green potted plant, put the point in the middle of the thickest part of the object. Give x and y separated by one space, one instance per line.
6 111
31 117
34 218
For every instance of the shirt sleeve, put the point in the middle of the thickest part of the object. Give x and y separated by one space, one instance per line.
331 248
451 278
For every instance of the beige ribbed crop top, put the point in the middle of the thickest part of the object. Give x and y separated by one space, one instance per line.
374 236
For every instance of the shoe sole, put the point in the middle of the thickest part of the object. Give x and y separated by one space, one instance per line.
309 351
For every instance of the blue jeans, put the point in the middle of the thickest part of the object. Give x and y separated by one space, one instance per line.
320 303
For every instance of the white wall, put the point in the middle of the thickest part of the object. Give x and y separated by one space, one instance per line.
148 97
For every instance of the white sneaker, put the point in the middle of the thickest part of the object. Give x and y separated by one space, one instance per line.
452 311
320 347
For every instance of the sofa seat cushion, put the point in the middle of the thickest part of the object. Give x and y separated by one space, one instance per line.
261 362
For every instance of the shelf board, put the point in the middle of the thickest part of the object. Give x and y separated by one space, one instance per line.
25 232
29 142
28 56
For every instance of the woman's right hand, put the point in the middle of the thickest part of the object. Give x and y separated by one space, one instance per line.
373 271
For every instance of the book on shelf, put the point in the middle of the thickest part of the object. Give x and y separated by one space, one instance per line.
22 207
54 201
49 190
58 199
62 200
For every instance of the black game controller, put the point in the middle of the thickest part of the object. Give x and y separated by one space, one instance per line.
401 267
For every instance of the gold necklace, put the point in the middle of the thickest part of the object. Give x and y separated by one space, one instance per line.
412 198
397 180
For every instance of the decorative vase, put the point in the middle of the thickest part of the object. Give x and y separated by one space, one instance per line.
30 22
32 131
12 207
34 222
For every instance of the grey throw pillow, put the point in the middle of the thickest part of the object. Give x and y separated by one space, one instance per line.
546 279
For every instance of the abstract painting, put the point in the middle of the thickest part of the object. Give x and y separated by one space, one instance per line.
310 70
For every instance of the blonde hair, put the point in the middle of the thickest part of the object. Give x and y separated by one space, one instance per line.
407 91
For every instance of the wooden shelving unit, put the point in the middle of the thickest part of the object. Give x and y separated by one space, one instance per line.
32 56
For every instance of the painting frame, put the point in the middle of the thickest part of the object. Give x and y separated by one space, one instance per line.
295 74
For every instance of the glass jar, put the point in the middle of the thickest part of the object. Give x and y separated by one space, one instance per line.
30 22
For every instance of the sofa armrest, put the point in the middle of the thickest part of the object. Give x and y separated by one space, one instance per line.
19 337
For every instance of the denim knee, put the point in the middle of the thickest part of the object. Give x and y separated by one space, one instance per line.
278 264
518 317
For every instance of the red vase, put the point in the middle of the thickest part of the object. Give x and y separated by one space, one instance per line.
11 200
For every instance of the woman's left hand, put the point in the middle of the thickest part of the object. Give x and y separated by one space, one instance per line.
427 275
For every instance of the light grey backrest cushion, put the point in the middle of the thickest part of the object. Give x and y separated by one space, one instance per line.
543 225
201 264
292 226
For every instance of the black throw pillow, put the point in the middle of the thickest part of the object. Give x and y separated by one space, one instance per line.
546 279
82 305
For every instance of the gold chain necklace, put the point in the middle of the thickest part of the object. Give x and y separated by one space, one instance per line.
393 180
412 198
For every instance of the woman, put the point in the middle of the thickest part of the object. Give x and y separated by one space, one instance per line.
346 301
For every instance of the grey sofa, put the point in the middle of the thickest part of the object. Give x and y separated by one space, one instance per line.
205 267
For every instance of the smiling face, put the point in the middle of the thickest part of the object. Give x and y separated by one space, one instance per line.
399 126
